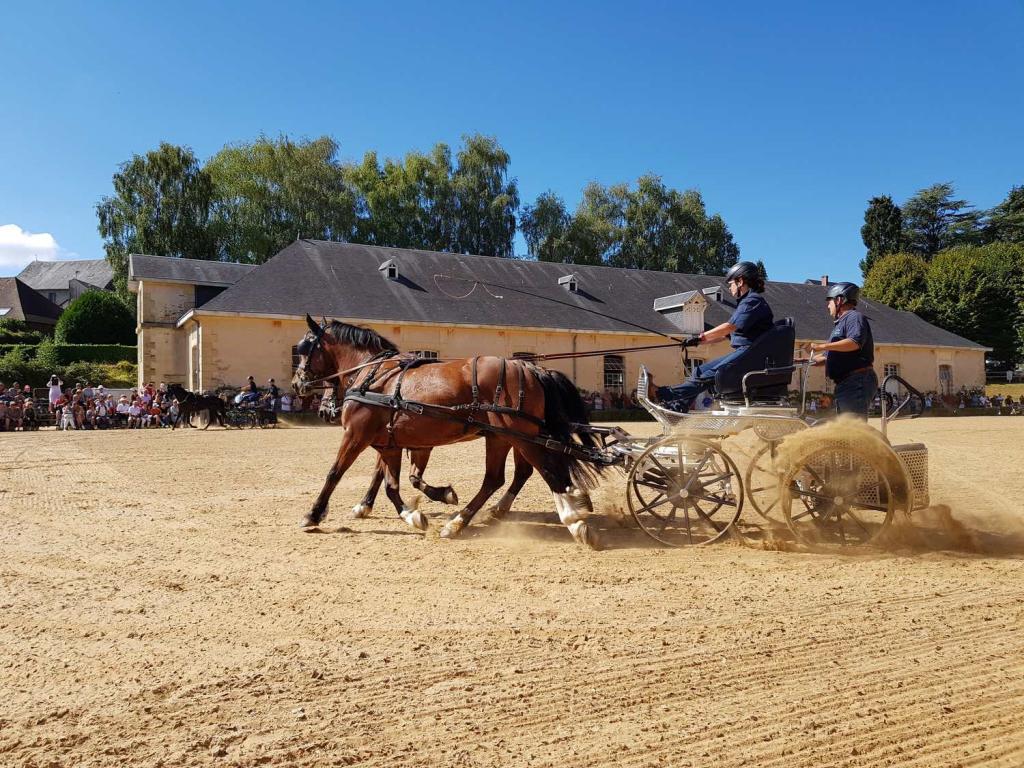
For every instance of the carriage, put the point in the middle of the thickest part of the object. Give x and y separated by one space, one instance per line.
830 485
839 484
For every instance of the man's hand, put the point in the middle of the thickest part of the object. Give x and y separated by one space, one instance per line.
693 341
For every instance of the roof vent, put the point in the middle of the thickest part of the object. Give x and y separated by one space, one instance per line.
389 269
714 293
569 282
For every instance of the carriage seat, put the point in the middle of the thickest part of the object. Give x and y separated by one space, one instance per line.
772 352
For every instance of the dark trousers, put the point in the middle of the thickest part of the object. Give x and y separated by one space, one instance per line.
681 396
855 393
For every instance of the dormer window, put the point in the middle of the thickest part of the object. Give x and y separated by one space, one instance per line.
714 293
389 269
569 283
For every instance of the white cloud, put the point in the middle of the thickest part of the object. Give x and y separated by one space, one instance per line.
18 247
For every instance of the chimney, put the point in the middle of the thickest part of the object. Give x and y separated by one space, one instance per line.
824 280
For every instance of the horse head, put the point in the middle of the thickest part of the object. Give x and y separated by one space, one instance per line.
328 350
310 364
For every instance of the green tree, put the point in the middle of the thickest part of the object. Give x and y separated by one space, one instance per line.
1006 221
486 198
272 191
899 280
649 226
95 317
933 220
406 204
976 292
882 232
544 226
161 205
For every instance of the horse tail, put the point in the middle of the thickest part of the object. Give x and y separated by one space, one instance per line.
563 407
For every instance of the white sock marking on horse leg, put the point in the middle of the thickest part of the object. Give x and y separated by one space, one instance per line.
361 510
414 518
573 508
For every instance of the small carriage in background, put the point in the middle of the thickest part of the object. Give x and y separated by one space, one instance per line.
833 487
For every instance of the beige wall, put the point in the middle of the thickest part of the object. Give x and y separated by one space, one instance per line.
163 354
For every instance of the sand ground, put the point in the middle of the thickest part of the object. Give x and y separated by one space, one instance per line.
159 606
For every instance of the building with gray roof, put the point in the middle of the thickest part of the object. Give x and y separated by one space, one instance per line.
63 281
542 305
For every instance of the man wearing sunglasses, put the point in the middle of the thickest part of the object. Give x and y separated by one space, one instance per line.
751 318
849 353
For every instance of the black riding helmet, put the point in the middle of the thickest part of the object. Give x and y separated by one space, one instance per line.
848 292
744 269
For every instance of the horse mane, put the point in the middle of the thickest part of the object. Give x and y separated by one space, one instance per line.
358 337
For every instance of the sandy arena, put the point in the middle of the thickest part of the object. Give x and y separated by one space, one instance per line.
160 606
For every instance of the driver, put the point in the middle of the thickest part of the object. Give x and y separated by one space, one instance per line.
751 319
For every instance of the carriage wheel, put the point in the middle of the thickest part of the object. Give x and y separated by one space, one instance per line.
762 483
843 493
684 491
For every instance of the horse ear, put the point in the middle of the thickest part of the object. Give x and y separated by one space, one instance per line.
312 324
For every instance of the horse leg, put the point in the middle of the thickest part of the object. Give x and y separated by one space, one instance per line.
365 507
209 418
524 470
572 504
392 460
494 477
418 458
349 451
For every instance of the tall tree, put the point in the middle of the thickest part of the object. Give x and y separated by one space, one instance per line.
486 198
271 191
161 205
899 280
649 226
1006 221
976 292
882 232
408 203
544 225
934 220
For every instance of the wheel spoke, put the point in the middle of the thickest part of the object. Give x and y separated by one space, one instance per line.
719 502
686 516
858 521
707 517
696 471
654 505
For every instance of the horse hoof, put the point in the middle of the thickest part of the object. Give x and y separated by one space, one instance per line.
585 535
452 528
414 518
450 497
309 523
360 511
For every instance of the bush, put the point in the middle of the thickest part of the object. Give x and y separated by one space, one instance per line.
18 366
17 332
55 355
96 317
122 375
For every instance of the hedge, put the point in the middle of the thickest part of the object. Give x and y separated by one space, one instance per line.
65 354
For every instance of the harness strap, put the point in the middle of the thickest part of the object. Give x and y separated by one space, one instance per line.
499 389
474 382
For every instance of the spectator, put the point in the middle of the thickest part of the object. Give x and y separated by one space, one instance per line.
286 402
3 414
14 410
274 393
135 414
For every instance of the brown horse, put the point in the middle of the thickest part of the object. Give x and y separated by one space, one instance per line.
450 402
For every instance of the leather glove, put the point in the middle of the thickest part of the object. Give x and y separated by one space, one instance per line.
693 341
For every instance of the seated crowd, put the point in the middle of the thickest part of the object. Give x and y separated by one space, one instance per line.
89 407
17 408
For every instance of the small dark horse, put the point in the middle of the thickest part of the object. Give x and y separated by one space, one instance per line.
189 403
341 350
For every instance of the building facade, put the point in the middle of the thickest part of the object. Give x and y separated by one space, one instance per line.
208 324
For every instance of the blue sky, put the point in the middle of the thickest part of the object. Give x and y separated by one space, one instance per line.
786 116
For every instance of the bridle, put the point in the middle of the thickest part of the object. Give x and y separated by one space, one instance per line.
316 343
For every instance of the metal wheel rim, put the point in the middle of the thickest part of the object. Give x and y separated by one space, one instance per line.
713 488
824 503
764 496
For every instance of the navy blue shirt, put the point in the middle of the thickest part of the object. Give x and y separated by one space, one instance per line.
752 317
852 325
